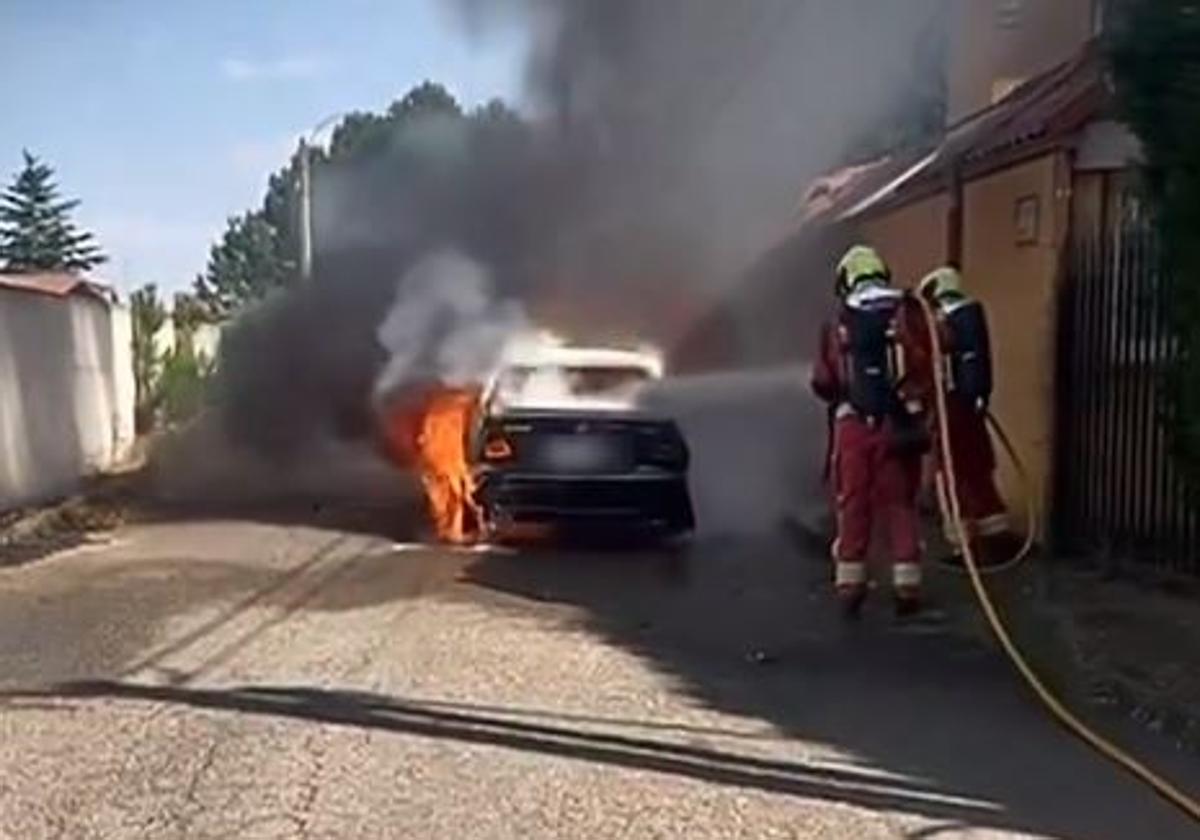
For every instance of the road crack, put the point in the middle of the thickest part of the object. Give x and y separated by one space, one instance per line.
310 787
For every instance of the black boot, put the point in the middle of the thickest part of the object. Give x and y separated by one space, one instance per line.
954 560
907 606
852 603
999 549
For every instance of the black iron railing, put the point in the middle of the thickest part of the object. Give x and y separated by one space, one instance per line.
1116 485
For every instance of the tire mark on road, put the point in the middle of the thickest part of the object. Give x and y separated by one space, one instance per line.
236 609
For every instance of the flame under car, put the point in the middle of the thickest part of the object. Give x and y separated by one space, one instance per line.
561 443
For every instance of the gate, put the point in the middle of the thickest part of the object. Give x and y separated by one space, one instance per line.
1116 487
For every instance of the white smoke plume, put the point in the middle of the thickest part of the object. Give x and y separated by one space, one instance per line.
445 325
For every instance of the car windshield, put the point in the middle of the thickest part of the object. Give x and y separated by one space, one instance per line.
555 383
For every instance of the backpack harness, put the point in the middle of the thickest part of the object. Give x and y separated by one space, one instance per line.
872 357
967 352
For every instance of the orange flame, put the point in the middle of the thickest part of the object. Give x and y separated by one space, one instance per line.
431 434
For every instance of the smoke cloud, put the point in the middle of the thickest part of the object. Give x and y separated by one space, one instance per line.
664 151
445 326
696 124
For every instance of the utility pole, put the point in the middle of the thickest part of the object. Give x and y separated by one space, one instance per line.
306 242
306 223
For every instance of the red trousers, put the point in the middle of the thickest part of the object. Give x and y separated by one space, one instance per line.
980 504
874 487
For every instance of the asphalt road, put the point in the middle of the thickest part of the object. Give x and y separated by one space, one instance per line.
270 677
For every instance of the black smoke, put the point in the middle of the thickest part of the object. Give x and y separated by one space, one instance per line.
662 151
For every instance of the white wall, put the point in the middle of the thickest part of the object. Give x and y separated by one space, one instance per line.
124 386
66 395
206 340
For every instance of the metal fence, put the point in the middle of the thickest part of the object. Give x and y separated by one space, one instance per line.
1117 488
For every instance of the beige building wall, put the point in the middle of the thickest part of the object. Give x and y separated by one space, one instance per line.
66 405
912 238
1014 269
1000 43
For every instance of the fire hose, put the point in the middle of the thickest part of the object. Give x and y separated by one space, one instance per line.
1056 708
1031 511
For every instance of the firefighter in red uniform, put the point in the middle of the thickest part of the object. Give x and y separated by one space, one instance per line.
871 371
966 347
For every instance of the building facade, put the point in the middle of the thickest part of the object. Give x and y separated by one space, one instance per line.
1031 164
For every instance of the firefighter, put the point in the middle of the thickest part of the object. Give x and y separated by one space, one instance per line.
966 347
871 372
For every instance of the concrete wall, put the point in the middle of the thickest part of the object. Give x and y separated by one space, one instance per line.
1001 42
66 392
206 340
912 239
124 386
1018 282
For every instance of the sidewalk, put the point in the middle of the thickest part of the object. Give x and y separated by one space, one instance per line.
1106 643
1127 644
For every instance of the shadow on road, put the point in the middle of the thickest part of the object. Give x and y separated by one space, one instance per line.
869 789
751 630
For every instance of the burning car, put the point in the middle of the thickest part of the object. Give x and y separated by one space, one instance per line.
560 441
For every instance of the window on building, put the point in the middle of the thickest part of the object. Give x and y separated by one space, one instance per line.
1027 219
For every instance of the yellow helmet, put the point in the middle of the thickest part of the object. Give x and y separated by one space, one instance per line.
860 263
943 281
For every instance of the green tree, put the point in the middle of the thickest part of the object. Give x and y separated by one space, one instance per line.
183 387
36 229
362 135
189 313
1155 53
259 250
148 316
281 207
244 266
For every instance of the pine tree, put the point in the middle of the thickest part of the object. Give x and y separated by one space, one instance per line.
36 230
244 266
148 316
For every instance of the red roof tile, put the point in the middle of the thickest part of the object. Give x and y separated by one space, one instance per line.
55 284
1048 107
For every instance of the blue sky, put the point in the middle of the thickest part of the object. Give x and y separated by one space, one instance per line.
166 116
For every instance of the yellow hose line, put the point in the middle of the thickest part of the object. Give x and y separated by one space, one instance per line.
1064 715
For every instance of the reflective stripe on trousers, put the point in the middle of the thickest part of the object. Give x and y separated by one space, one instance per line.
849 574
992 525
906 575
